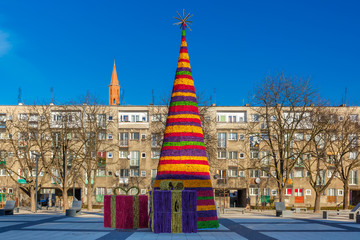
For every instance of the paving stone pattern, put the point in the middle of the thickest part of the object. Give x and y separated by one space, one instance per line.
44 226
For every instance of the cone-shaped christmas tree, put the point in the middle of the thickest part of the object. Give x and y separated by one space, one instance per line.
183 154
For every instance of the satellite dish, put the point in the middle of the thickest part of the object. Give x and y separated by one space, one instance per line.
216 176
257 180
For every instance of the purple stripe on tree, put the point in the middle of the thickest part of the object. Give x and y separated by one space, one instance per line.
183 98
182 112
183 124
183 138
183 152
181 177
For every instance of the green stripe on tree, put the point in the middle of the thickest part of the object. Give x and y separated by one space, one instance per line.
183 103
183 143
183 73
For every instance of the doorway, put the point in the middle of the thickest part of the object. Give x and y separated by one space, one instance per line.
354 197
238 198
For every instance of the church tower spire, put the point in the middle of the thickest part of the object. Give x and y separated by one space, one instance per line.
114 88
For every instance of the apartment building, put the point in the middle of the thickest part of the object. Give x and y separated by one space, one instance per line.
133 141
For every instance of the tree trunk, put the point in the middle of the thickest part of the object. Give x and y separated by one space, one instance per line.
89 197
65 199
346 196
317 202
32 199
281 194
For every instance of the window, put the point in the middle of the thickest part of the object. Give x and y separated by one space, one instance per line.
134 136
143 173
254 173
273 173
100 173
155 154
267 191
265 174
299 136
299 192
22 116
134 172
221 118
353 117
254 154
254 191
273 192
241 155
254 117
254 140
156 118
124 173
110 118
124 139
321 178
265 158
331 192
353 155
233 136
233 155
2 172
100 191
222 140
110 136
133 116
232 172
241 173
110 155
221 154
123 154
273 118
353 177
222 174
298 173
308 192
330 173
102 136
143 136
134 158
153 173
143 155
241 137
155 140
288 191
340 192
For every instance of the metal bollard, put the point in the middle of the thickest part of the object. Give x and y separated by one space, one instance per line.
325 215
358 218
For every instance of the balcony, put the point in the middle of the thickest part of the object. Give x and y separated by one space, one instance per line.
221 181
124 143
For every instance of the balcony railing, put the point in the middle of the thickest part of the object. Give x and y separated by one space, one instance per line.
124 143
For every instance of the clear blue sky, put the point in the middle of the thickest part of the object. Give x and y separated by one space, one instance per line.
71 46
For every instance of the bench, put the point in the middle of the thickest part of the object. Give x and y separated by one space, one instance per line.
8 208
75 209
354 211
298 210
281 210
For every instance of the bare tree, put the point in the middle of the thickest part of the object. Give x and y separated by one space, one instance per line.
26 133
95 128
282 107
345 146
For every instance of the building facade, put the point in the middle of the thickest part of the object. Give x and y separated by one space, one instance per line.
131 150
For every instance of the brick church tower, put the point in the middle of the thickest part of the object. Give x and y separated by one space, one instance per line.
114 89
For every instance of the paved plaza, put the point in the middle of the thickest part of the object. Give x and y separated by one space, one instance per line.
232 226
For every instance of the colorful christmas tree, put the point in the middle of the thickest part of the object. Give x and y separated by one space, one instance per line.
183 153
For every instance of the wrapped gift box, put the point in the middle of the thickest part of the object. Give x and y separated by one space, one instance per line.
126 211
173 211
